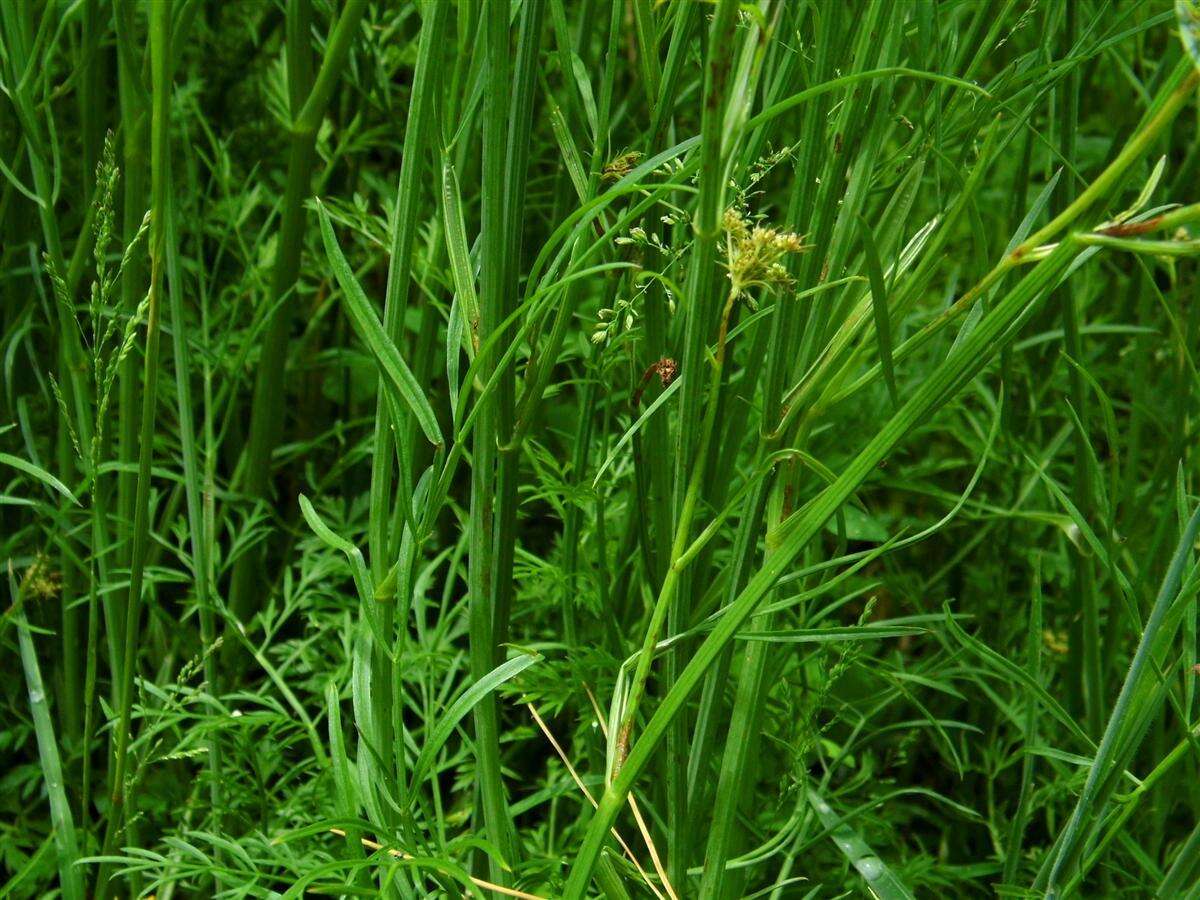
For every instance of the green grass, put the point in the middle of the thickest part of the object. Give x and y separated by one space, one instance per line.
622 448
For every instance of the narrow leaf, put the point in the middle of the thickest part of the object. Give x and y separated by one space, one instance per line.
881 881
457 710
370 331
39 473
883 328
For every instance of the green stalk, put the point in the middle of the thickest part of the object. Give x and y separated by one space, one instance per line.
384 546
120 805
696 426
90 103
730 406
418 139
811 163
516 166
19 65
768 507
309 100
541 364
701 304
1086 653
91 93
739 745
74 665
745 721
670 586
653 447
135 118
91 655
493 807
198 528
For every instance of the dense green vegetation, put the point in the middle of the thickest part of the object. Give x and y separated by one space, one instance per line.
624 448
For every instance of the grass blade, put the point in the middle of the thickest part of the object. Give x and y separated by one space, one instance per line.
395 371
879 304
67 850
881 881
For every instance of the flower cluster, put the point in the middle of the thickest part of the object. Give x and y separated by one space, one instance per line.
754 254
620 166
620 317
41 582
762 166
638 237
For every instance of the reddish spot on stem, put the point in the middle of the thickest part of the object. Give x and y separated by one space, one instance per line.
1125 229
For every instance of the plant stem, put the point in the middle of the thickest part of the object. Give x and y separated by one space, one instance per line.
120 805
309 100
484 540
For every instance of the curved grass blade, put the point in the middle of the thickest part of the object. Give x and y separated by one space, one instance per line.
881 881
1127 723
370 331
879 305
70 877
462 705
39 473
362 575
1187 14
831 635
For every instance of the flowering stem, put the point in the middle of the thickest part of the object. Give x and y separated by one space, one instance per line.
679 545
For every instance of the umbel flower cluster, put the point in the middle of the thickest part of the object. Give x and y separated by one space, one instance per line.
754 258
754 254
